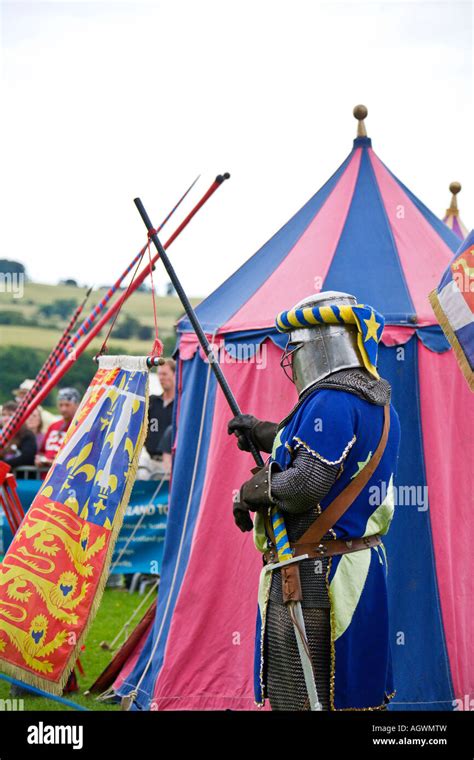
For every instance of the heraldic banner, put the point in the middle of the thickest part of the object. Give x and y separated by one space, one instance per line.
453 304
53 575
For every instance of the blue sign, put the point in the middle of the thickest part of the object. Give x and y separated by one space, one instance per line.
139 547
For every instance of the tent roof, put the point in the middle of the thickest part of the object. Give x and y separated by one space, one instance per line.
363 232
452 218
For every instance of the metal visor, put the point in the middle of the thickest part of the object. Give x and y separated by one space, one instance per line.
286 361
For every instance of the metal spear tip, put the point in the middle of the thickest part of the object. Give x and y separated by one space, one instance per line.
455 187
360 113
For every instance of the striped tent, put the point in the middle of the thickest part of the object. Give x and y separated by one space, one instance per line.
363 232
451 217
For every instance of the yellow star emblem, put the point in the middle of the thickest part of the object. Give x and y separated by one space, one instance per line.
372 327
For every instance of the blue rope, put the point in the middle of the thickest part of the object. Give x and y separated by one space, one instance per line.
45 694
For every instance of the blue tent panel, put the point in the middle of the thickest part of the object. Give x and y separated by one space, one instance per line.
420 659
365 262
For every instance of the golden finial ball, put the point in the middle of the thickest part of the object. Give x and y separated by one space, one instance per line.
360 112
455 187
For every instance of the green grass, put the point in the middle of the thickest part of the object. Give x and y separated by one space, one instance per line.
115 608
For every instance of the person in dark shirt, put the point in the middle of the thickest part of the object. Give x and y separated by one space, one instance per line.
166 446
21 450
160 410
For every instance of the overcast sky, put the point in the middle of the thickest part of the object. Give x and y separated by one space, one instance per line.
103 101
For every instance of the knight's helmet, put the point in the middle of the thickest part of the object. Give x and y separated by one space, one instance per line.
315 351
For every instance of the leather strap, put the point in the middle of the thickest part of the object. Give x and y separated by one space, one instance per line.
349 494
328 548
291 584
336 546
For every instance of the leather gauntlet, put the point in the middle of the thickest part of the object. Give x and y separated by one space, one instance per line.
256 492
261 433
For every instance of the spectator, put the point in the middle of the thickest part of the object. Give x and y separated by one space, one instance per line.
160 410
166 441
35 424
21 450
19 394
68 402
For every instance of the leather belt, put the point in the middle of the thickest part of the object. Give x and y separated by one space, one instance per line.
327 548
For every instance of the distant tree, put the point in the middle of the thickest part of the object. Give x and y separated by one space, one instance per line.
12 267
13 317
69 281
64 307
144 332
127 328
61 307
17 363
169 289
46 310
169 344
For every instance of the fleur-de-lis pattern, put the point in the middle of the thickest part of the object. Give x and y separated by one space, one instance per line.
54 571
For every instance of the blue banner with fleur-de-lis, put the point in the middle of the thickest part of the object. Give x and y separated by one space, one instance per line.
54 572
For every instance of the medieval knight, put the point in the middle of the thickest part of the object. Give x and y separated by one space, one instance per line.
339 441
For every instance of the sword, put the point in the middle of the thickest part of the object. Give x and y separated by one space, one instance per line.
294 608
296 614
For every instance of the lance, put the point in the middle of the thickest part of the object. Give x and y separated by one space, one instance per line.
294 607
87 324
71 358
43 374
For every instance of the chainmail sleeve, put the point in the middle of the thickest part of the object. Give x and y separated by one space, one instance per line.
304 484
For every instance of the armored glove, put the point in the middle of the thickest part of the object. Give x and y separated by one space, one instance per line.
241 516
255 494
261 433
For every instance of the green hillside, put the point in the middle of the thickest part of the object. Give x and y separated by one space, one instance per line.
31 326
139 305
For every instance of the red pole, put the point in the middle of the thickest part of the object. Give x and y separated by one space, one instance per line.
69 361
5 435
